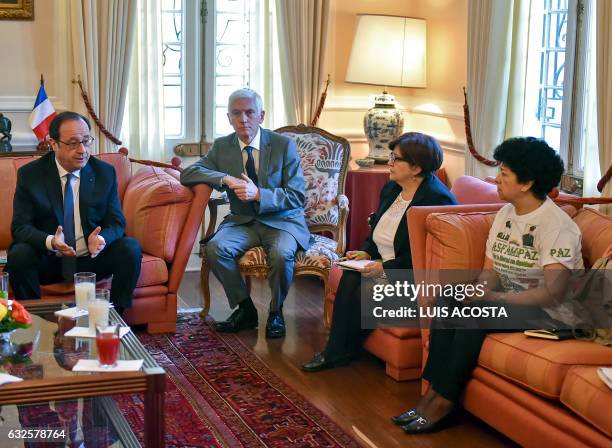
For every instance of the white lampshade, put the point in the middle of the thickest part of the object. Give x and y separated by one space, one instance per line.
388 51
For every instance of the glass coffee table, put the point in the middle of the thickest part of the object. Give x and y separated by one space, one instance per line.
44 357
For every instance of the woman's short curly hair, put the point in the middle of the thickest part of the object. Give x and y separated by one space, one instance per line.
421 150
531 159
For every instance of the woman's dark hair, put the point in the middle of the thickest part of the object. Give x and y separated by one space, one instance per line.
54 127
419 149
531 159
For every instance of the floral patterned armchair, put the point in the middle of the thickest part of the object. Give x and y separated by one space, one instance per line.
324 158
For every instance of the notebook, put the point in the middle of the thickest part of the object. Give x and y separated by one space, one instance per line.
556 335
353 265
605 373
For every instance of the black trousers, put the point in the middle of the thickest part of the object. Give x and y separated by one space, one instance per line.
454 352
29 268
346 335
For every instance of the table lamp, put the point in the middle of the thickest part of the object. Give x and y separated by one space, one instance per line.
387 51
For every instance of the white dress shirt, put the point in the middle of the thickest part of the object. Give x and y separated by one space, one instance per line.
81 242
386 228
255 145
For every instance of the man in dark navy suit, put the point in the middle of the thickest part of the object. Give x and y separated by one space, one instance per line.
67 218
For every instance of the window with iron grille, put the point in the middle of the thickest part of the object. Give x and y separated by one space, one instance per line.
559 97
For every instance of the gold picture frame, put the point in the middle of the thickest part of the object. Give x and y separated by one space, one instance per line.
16 9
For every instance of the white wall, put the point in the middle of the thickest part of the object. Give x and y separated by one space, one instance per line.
436 110
32 48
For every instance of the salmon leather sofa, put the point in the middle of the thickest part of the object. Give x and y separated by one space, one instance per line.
160 213
401 348
537 392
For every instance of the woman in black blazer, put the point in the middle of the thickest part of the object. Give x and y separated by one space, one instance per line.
413 160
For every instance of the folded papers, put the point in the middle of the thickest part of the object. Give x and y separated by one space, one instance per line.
83 332
5 378
93 365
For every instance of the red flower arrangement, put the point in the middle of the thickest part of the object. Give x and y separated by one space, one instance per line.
13 315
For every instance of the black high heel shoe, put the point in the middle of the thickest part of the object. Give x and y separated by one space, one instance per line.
405 417
320 362
422 425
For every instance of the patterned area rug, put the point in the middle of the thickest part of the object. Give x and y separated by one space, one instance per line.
219 393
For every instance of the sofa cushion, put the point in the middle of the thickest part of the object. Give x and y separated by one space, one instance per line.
123 169
589 397
537 364
472 190
596 230
457 241
8 174
153 271
155 205
320 255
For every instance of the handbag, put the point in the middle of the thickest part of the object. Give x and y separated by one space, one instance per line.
597 284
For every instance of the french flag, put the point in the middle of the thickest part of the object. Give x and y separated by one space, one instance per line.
42 114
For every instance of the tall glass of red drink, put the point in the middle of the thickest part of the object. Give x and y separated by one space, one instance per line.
107 342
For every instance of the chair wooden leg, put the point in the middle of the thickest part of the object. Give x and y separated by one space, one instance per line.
204 288
247 282
328 306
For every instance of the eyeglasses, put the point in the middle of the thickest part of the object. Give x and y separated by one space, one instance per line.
393 158
86 142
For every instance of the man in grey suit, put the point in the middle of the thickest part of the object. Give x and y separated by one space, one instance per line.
261 173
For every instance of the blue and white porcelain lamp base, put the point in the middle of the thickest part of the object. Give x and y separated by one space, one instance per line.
382 124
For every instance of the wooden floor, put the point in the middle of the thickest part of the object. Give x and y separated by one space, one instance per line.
359 397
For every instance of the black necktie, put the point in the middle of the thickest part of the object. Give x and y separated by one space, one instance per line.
250 164
69 263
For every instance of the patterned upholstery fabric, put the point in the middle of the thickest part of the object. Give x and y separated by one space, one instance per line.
322 163
321 254
588 396
538 364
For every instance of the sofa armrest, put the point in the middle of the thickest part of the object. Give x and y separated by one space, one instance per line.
201 196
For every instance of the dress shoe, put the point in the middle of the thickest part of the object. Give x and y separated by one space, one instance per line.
275 328
241 319
422 425
405 417
320 362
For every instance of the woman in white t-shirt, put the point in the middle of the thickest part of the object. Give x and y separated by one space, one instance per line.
413 160
531 248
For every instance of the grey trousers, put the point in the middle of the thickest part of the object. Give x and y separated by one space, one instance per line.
229 244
